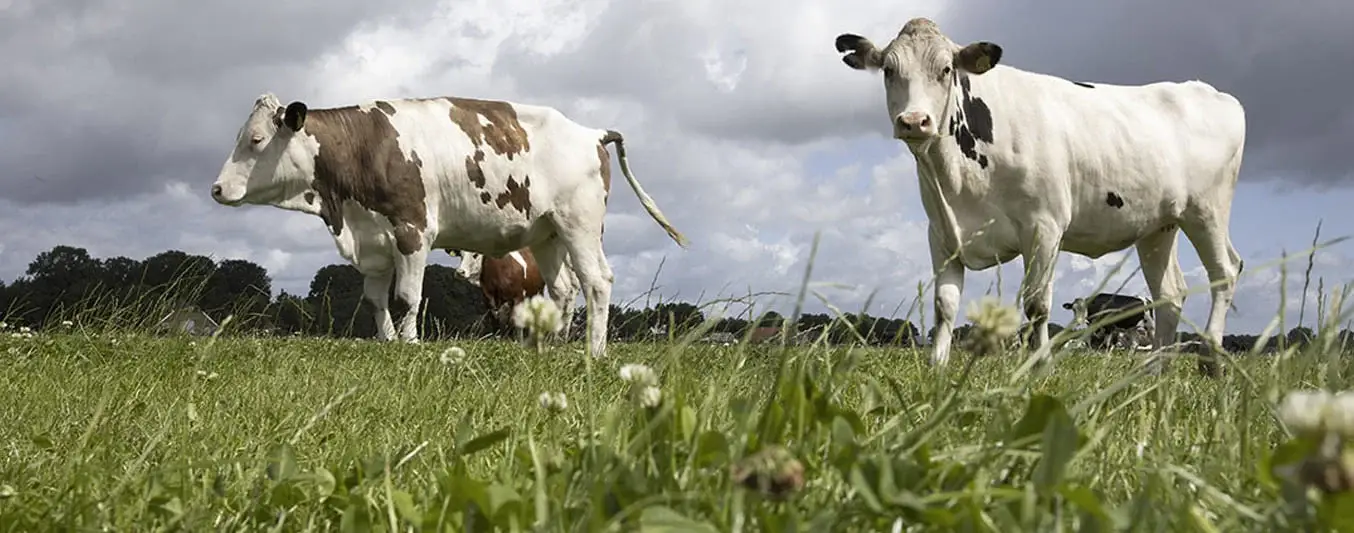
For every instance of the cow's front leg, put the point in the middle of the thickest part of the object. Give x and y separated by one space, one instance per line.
409 291
949 288
1036 288
376 290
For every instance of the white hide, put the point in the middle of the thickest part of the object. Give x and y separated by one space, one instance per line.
1170 151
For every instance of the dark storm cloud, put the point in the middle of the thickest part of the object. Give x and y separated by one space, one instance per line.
103 99
1289 64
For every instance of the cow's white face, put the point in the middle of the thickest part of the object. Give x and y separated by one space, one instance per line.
921 68
471 264
273 161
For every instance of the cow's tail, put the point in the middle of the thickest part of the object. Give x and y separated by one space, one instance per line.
614 137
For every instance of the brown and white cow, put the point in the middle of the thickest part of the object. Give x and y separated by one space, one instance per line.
505 281
395 179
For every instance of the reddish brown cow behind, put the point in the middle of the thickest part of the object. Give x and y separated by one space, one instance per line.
506 281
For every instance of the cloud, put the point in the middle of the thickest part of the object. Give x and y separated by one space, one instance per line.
103 100
740 120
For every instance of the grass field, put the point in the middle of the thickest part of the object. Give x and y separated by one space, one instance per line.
127 432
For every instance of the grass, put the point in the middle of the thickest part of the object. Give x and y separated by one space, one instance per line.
132 432
112 430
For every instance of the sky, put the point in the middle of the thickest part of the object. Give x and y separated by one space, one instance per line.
739 118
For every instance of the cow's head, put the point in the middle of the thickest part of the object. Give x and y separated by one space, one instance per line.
273 161
471 264
922 69
1078 308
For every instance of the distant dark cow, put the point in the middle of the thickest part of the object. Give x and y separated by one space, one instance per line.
506 281
1104 304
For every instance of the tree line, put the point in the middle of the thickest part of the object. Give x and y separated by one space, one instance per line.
66 283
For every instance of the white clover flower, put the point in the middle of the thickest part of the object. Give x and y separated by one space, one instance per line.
452 356
638 374
1304 410
554 402
1340 414
650 396
990 315
4 325
67 323
24 329
538 314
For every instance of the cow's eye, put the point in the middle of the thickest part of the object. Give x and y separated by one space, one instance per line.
256 140
945 72
889 72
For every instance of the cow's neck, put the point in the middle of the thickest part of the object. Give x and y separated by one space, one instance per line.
958 162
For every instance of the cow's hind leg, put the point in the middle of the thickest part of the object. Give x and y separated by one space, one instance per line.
409 291
552 258
1036 287
579 226
1160 261
376 291
1208 233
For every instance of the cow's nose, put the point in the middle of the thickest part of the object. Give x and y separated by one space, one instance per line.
915 121
216 190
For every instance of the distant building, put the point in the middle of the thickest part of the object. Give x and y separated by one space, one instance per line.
189 320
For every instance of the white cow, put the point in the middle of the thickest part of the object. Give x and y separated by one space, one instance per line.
394 179
1016 163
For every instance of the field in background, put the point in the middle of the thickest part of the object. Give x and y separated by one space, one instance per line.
132 432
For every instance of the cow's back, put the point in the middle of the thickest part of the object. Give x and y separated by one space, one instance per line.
1111 162
492 167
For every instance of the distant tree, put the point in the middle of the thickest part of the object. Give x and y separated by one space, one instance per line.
771 319
335 298
240 288
1300 336
683 316
176 278
452 305
4 300
122 278
291 314
905 333
58 281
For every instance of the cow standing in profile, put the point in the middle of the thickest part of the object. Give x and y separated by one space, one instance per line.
1016 163
1102 306
394 179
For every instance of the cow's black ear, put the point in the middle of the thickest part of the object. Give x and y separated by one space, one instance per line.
295 116
978 57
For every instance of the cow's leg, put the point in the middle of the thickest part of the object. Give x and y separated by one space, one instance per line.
1157 254
949 287
579 226
376 290
1210 239
1036 287
409 291
557 272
